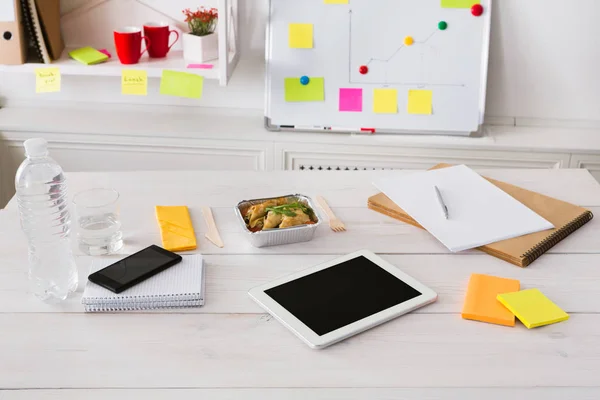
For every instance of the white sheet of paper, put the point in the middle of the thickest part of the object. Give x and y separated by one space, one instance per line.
479 212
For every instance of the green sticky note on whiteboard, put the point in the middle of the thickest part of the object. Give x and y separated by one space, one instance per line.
459 3
181 84
296 91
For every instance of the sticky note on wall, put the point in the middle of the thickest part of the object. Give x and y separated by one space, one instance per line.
351 100
47 80
296 91
181 84
301 36
385 101
459 3
336 1
420 102
134 82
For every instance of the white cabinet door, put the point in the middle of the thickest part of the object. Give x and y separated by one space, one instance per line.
591 162
295 156
135 154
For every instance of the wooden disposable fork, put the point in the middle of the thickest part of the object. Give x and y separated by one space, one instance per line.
334 222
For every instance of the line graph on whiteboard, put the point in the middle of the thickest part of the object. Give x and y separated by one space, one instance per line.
390 61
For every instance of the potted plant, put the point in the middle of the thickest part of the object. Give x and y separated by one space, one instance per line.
201 43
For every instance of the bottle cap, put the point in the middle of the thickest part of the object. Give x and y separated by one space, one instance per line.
36 147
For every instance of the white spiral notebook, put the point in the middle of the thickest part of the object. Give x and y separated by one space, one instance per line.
181 285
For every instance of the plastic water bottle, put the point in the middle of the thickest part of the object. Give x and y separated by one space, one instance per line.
45 219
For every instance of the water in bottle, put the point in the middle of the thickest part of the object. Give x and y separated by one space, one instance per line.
45 219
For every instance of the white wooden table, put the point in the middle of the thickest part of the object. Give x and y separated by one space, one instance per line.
230 349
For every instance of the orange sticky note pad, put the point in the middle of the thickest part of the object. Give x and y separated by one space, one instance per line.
481 303
176 229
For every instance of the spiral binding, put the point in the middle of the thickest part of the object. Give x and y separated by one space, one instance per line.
154 298
545 245
141 306
27 21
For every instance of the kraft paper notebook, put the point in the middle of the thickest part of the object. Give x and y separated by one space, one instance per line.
523 250
480 213
481 303
49 16
36 34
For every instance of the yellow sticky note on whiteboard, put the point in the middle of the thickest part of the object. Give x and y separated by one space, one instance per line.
385 101
459 3
181 84
134 82
47 80
420 102
336 1
301 36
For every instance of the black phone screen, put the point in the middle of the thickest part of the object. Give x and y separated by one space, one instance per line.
135 267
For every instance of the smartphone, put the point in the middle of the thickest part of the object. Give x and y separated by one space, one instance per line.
134 269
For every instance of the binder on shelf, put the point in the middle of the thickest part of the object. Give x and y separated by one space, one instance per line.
49 16
35 31
13 45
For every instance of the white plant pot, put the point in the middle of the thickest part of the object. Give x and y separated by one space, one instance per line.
200 48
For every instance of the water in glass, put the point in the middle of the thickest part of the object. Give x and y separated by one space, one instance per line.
99 227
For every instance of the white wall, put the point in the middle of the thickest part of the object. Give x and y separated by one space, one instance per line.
543 64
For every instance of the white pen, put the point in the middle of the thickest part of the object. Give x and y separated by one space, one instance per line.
441 202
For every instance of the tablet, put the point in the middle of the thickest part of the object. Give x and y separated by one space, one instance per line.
332 301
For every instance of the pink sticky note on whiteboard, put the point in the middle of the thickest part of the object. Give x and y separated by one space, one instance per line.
200 66
351 100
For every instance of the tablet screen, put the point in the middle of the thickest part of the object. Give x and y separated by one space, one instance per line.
341 295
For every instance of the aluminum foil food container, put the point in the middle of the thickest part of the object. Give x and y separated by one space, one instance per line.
279 236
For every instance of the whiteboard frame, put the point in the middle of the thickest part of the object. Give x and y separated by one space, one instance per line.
323 129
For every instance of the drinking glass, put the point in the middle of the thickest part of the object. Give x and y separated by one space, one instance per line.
98 223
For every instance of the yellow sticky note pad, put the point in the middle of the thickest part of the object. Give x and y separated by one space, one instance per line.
296 91
385 101
134 82
176 229
181 84
336 1
532 308
47 80
301 36
420 102
459 3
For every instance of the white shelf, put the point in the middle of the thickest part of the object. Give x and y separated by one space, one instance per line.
154 67
90 24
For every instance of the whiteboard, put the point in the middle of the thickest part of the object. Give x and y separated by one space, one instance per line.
452 64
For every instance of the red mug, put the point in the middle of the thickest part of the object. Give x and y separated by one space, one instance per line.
128 43
159 34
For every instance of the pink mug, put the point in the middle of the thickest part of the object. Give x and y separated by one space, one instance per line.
159 34
128 43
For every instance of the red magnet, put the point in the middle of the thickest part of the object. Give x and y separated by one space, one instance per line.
477 10
363 69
